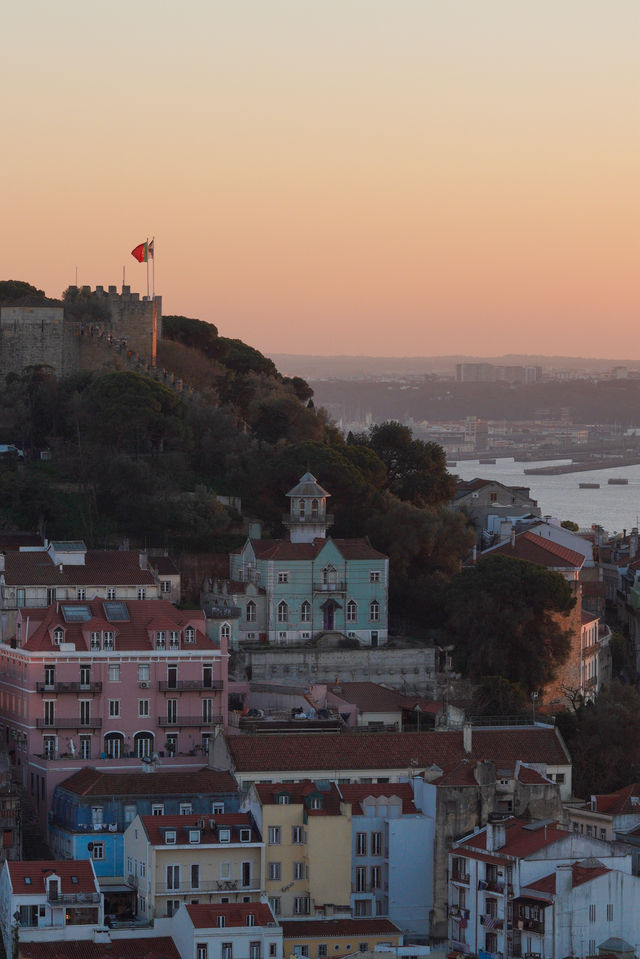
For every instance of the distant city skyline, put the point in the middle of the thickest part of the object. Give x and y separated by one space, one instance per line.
355 177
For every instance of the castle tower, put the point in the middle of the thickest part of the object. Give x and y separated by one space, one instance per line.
308 518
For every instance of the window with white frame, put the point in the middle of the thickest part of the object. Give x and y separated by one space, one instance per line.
361 844
143 673
202 950
376 843
374 576
217 808
186 808
274 902
165 586
114 672
98 851
58 636
114 708
143 707
157 809
274 835
297 835
302 906
225 631
108 639
251 611
305 612
352 611
111 593
142 593
224 835
298 870
283 612
189 634
283 577
275 869
374 611
81 593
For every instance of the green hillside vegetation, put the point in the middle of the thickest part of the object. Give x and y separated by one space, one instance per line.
129 457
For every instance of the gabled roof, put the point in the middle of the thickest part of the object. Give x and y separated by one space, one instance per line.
114 567
369 697
542 552
581 872
332 751
522 839
357 793
625 801
308 486
284 550
130 634
96 782
298 793
40 869
334 928
155 827
205 915
158 947
163 566
586 617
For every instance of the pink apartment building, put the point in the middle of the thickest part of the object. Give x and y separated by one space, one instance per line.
114 684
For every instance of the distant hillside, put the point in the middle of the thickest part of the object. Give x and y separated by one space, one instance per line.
357 367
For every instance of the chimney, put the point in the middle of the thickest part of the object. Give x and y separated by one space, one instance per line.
143 560
467 737
564 879
496 836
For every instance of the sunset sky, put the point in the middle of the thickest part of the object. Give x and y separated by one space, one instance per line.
389 177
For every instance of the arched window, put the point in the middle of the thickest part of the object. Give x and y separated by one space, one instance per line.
374 611
113 743
58 636
283 612
352 611
189 634
305 612
251 611
225 631
301 508
160 639
315 509
143 745
329 575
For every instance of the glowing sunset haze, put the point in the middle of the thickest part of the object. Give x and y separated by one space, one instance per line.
393 177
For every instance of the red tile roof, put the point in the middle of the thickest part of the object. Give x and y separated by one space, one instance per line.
155 827
334 928
129 635
520 839
96 782
39 869
368 697
534 549
462 774
113 567
160 947
580 873
298 792
586 617
205 915
625 801
335 751
163 565
283 549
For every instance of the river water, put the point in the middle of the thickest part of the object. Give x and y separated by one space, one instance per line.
613 507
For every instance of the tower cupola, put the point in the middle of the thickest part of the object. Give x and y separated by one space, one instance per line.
307 518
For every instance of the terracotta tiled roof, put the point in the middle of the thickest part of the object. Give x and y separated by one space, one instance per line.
542 552
38 870
95 782
586 617
579 875
333 751
160 947
132 634
625 801
334 928
520 839
368 697
115 567
163 565
284 550
298 792
205 915
356 793
462 774
155 827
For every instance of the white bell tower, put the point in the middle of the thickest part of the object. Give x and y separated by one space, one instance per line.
307 518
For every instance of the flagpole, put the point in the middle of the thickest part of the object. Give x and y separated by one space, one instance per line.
147 259
123 279
153 271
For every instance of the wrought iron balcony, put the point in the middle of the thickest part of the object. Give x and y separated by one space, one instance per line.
189 685
339 586
164 721
76 723
73 898
69 687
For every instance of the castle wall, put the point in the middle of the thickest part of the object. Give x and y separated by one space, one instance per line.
33 336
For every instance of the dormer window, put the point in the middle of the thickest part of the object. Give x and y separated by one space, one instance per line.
170 837
27 880
224 835
95 641
245 835
160 639
284 799
108 640
58 636
189 635
174 640
220 922
194 835
315 802
251 919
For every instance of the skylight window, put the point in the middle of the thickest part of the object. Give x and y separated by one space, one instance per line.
116 611
76 614
27 880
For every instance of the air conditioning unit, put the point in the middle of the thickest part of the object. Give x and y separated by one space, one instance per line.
143 685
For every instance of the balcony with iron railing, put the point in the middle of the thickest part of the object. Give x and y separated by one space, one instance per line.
189 685
169 721
73 898
77 723
69 687
337 586
458 875
208 886
535 926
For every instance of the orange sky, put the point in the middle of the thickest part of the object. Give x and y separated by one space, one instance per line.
391 177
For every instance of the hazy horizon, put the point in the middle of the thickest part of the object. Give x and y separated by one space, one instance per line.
357 177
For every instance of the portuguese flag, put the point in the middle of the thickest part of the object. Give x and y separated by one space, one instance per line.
141 253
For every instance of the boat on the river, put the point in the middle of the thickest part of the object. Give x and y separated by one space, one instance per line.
618 481
589 485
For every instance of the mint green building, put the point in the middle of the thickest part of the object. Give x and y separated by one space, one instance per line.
298 589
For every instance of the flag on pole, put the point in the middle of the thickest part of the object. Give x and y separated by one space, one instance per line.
141 252
150 249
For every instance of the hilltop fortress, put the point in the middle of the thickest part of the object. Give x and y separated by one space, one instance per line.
42 335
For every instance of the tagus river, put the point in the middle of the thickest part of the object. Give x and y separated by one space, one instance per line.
613 507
